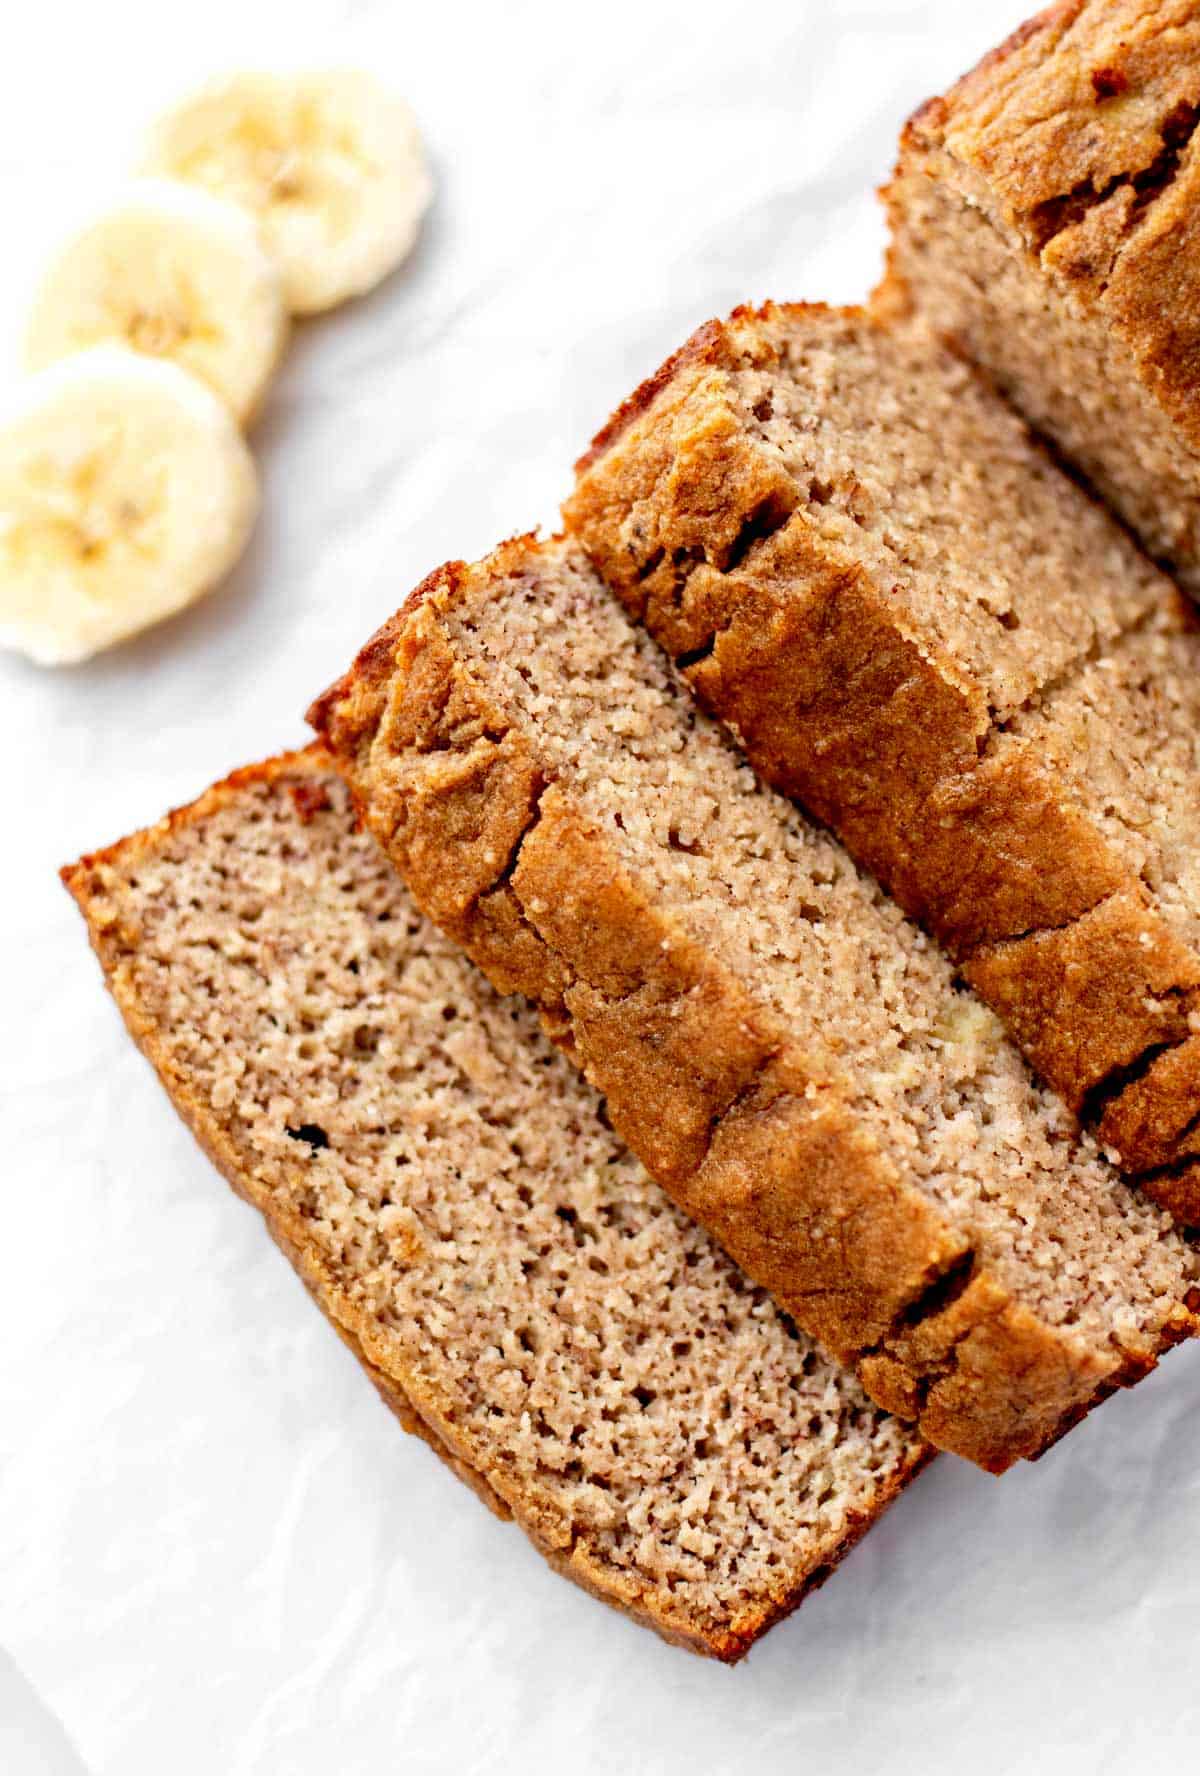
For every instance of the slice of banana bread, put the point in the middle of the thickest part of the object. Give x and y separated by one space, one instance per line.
786 1053
448 1188
1046 219
865 565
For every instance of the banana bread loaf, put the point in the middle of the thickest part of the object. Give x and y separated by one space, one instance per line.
1046 220
783 1050
519 1291
940 645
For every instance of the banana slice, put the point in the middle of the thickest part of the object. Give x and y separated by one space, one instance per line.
174 272
126 490
331 164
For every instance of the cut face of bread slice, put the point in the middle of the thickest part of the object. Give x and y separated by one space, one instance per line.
1046 220
864 564
520 1292
784 1051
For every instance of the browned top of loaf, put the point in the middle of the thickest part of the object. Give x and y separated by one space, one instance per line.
787 1054
1083 130
448 1187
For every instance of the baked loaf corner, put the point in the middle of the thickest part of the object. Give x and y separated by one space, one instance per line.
786 1054
1046 220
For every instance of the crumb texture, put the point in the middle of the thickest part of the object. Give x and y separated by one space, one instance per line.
495 1252
848 999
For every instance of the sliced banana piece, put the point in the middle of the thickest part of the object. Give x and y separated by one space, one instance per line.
126 490
176 273
331 164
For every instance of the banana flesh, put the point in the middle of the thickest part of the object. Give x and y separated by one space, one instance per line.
126 491
176 273
330 163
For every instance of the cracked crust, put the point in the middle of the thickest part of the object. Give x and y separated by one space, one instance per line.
1046 219
752 1134
419 1406
846 703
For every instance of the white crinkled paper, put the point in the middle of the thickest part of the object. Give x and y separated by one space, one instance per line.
218 1553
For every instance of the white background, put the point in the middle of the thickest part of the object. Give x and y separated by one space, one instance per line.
217 1552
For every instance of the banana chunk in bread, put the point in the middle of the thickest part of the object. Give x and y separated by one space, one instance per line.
867 567
521 1293
786 1053
1046 220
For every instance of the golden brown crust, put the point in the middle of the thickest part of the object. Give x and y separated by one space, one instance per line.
418 1407
877 732
719 1100
1083 129
1094 998
705 344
